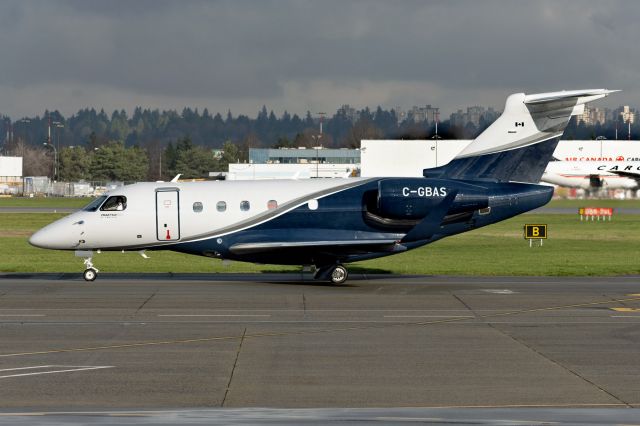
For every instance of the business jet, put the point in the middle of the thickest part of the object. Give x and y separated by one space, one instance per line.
593 175
327 223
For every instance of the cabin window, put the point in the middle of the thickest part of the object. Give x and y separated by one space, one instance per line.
115 203
272 204
197 207
244 206
93 206
221 206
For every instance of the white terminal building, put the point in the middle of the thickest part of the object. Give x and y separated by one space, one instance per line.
406 158
301 163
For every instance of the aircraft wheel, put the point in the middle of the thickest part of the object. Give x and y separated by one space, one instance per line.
90 274
339 275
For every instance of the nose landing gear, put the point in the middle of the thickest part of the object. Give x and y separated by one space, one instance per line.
91 272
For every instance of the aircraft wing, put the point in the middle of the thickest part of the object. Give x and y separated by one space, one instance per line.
431 223
630 175
342 247
623 173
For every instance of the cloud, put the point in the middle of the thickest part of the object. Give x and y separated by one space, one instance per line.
298 55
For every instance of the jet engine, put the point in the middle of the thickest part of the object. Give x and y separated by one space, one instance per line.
413 198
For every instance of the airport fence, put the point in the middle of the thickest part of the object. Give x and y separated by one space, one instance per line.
37 186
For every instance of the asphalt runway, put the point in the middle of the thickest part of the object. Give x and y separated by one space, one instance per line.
157 342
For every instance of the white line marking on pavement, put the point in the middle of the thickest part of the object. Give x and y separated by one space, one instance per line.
22 315
499 291
208 315
427 316
65 369
26 368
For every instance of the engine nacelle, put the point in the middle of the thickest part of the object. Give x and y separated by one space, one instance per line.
413 198
595 181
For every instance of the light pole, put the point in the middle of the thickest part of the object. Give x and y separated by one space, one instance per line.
321 114
24 121
55 159
56 142
8 138
316 139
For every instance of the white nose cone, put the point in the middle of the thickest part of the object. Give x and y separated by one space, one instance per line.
42 239
53 236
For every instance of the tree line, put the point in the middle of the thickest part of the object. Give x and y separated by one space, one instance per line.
156 145
115 162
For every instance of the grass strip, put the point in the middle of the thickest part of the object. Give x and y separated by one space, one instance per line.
574 248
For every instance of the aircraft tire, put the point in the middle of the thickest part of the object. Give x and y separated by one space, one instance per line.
90 274
339 275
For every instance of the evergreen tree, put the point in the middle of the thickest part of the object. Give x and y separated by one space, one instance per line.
230 154
193 161
114 162
74 164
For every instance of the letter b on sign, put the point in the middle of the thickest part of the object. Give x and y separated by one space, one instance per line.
535 232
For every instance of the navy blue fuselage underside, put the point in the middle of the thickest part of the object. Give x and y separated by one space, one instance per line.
320 237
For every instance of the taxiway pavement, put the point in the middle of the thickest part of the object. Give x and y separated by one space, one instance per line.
281 340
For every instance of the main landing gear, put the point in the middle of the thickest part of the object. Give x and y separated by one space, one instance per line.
337 274
91 272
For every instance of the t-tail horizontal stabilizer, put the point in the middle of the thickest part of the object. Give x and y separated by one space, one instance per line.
519 144
431 223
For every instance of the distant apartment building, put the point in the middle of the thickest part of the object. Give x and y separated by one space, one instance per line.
628 115
474 115
598 115
592 116
477 114
585 117
421 114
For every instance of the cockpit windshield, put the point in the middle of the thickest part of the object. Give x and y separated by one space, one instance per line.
93 206
115 203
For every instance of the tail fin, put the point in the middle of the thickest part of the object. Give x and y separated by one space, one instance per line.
520 143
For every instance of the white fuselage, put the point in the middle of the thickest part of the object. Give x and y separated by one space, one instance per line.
578 174
197 211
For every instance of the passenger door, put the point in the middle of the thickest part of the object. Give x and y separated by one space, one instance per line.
168 214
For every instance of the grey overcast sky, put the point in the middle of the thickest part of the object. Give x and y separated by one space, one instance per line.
303 55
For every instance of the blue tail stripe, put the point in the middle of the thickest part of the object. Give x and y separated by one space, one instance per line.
518 165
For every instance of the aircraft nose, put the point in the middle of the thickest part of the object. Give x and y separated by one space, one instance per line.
50 237
41 239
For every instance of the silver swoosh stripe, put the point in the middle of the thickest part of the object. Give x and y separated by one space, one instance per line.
253 247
